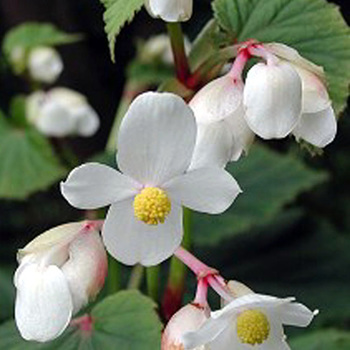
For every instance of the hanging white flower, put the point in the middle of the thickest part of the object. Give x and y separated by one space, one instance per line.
155 147
44 64
251 320
61 112
272 98
223 134
170 10
59 271
188 319
318 124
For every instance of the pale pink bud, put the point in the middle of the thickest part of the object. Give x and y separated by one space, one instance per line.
170 10
188 319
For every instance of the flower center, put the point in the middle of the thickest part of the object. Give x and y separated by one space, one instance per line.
152 205
253 327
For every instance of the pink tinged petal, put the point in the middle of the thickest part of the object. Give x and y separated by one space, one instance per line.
213 145
131 241
94 185
315 95
217 100
86 268
273 98
319 128
43 303
156 138
296 314
189 318
170 10
208 190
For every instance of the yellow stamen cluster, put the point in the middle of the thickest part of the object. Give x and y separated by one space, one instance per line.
253 327
152 205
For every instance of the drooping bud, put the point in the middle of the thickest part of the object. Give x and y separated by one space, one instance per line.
273 99
61 112
188 319
44 64
59 272
170 10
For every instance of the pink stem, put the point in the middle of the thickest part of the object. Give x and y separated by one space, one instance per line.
238 65
218 284
202 292
260 51
191 261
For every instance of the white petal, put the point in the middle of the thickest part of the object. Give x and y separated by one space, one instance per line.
94 185
54 120
315 95
67 97
296 314
227 340
273 98
276 339
170 10
131 241
213 145
293 56
319 129
156 138
43 303
217 100
86 269
208 190
209 331
87 121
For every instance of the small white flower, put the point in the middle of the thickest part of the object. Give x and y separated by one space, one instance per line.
59 272
158 48
223 134
61 112
318 124
170 10
272 97
188 319
250 321
44 64
155 146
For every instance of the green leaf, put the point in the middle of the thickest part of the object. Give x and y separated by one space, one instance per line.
150 74
117 14
31 34
18 111
314 27
7 294
124 321
327 339
28 163
269 181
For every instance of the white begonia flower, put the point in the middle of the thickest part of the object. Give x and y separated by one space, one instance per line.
44 64
188 319
223 134
59 271
318 124
250 321
170 10
273 99
158 48
61 112
155 146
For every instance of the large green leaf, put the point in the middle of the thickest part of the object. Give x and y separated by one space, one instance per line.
269 181
124 321
27 162
32 34
117 14
329 339
314 27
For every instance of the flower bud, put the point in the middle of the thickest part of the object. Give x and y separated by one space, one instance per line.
59 271
44 64
61 112
170 10
188 319
272 97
